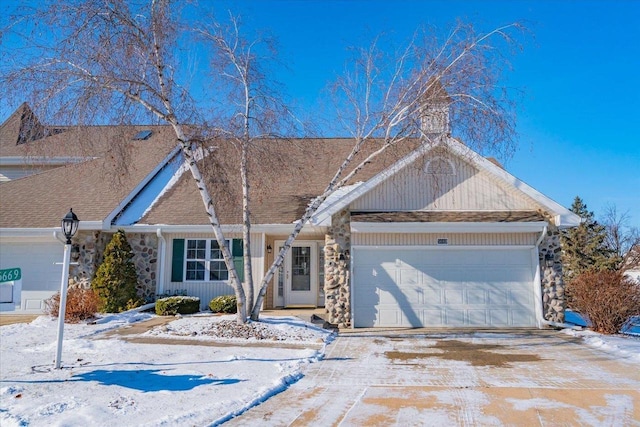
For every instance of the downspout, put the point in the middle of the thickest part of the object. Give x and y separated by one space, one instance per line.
561 325
537 281
544 232
162 245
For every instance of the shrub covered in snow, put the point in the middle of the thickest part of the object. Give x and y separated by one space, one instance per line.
224 304
82 304
177 305
608 299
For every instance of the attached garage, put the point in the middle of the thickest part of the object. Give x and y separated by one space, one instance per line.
41 271
431 286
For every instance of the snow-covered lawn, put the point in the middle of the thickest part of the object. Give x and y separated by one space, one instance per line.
112 381
194 371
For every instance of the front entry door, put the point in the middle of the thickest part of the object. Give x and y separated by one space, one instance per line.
300 275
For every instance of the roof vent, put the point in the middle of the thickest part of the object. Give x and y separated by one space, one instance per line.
142 135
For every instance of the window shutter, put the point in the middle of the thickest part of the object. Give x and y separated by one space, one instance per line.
237 252
177 261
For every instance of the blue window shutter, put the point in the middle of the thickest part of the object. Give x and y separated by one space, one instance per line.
237 251
177 261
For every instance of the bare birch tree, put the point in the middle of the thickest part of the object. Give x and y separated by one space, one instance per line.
621 237
254 114
383 100
105 62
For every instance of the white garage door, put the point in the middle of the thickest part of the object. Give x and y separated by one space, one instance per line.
40 274
443 287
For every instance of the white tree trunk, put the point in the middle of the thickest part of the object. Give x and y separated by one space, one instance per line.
234 280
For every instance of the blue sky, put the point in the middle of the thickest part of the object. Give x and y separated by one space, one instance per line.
579 71
578 118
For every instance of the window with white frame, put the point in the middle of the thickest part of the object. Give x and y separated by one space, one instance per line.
204 261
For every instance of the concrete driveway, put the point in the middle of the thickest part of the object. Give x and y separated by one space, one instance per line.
420 378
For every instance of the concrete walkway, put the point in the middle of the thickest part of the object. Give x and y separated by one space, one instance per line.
465 379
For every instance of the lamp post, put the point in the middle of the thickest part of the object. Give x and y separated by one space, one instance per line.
69 228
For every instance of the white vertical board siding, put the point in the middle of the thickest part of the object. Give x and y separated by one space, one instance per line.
467 189
208 290
454 239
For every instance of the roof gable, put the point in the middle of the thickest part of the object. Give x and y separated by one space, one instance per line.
499 190
440 181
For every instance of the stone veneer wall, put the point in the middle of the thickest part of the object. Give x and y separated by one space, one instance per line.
337 262
92 245
553 296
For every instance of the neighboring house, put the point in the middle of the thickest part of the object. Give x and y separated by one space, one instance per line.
631 266
433 236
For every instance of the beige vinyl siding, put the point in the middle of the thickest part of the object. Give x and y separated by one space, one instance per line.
454 239
467 189
208 290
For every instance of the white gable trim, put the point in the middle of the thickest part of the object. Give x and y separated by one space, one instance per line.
327 209
563 218
106 223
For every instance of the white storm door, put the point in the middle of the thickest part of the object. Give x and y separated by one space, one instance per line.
301 275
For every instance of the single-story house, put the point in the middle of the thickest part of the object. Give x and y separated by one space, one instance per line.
430 235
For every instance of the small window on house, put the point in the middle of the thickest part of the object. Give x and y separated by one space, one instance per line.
440 166
204 261
142 135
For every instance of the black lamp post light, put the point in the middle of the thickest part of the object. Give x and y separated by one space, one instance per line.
69 226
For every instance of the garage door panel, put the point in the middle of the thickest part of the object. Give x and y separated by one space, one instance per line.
433 295
499 317
466 287
521 318
454 317
477 296
432 317
408 277
478 317
386 297
498 296
453 296
390 317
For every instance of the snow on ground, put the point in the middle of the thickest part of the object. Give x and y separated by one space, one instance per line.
624 347
112 381
182 374
225 329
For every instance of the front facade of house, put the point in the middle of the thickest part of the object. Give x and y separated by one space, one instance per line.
440 238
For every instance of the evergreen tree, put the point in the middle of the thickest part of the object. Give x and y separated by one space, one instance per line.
584 247
116 279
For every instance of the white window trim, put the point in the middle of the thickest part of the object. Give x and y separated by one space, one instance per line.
207 270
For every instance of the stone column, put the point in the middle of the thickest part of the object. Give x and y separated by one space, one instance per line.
337 287
145 258
553 297
91 245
